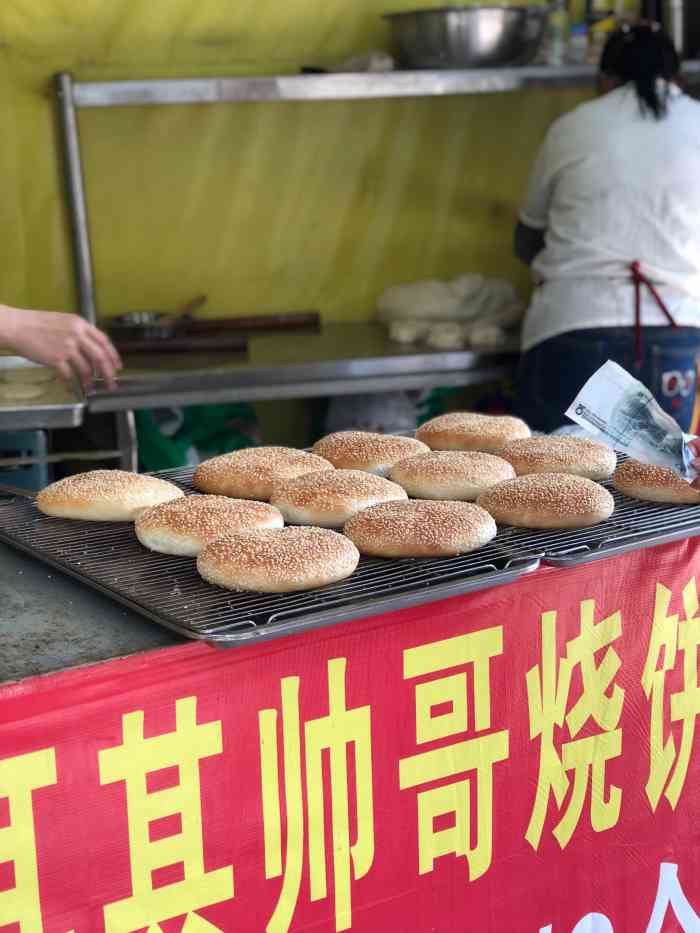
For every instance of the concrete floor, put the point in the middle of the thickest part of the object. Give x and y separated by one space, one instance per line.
49 622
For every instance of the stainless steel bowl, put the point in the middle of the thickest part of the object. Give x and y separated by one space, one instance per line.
468 37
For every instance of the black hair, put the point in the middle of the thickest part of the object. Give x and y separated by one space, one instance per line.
640 55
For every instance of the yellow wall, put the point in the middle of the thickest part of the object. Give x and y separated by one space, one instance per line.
264 208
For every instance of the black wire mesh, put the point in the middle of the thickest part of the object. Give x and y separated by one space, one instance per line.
169 591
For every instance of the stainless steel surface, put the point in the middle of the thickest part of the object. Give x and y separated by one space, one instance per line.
332 86
341 359
50 622
15 418
70 139
73 455
325 87
169 591
57 407
468 37
674 22
127 441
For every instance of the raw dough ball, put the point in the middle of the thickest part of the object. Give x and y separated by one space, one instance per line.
446 337
29 374
19 391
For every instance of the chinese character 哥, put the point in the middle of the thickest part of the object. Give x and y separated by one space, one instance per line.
471 758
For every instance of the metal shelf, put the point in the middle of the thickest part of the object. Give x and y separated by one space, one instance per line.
332 86
325 86
73 96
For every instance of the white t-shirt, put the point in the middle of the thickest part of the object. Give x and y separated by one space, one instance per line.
611 186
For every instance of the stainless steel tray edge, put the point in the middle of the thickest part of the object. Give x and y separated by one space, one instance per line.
636 543
362 610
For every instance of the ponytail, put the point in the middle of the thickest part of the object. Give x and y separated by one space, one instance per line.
645 56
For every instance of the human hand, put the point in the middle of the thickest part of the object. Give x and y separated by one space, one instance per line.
695 450
65 342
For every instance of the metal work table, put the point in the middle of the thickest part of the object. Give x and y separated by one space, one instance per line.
49 622
342 359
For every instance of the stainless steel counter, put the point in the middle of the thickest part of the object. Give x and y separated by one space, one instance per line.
55 406
342 359
49 622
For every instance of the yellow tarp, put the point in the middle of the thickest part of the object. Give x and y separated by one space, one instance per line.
262 207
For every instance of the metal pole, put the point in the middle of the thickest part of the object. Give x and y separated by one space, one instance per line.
76 197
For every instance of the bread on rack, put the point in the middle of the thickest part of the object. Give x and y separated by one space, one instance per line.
577 455
464 430
420 529
105 495
654 484
329 499
548 500
252 472
184 526
453 475
366 450
283 560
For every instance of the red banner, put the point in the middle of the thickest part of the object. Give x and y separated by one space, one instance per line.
522 759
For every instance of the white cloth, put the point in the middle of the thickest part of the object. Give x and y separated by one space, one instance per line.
611 186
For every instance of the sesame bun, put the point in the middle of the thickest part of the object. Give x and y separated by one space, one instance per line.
420 529
452 475
251 473
330 499
577 455
282 560
365 450
462 430
548 500
654 484
105 496
184 526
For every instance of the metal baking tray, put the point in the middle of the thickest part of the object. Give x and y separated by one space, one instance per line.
59 406
169 591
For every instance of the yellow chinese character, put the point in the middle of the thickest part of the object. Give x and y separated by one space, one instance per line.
668 636
333 732
548 696
18 778
477 754
131 761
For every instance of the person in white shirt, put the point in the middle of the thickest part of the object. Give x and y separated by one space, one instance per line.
64 341
611 228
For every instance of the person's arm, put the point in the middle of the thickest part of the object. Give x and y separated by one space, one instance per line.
65 342
527 242
530 232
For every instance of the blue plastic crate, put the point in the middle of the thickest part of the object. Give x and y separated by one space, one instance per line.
24 444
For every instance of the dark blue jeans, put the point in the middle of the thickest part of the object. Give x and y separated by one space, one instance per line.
552 373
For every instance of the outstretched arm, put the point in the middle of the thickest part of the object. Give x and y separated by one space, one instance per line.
64 341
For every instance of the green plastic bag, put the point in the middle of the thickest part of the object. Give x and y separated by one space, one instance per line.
170 438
